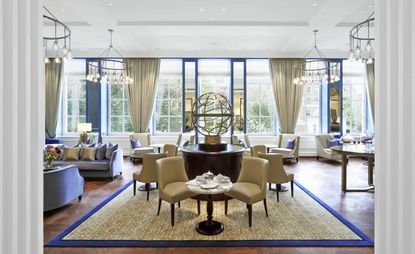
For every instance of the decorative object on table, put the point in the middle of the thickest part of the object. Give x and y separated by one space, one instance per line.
61 37
108 68
313 72
212 116
172 181
251 186
84 128
285 146
148 173
361 34
276 172
52 153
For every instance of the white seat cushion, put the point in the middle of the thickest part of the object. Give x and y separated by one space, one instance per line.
142 150
283 151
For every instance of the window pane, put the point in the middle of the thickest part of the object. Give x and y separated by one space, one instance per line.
119 114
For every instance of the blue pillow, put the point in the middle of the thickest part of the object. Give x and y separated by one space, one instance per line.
290 144
110 149
331 143
185 143
242 143
135 143
101 150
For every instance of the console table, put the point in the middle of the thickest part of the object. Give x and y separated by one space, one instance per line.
368 151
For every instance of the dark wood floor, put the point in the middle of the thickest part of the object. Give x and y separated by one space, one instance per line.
321 177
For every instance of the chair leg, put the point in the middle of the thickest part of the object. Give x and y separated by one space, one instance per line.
278 196
178 203
80 197
250 215
135 187
296 159
172 214
269 186
265 206
158 211
226 206
148 190
318 157
292 188
198 206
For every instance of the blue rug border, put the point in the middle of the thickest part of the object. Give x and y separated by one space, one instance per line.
58 242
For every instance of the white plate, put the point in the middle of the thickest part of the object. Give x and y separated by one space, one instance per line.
210 185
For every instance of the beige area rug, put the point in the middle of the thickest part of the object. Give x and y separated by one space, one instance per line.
127 220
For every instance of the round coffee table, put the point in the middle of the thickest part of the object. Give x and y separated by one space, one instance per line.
209 226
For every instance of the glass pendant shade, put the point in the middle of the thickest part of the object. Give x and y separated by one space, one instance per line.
361 40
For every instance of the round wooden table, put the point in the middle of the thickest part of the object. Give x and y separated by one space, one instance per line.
227 162
364 150
209 226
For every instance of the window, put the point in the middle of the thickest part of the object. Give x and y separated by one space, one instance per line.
168 107
261 117
308 121
119 113
354 97
74 95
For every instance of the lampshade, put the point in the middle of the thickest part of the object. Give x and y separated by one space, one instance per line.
84 127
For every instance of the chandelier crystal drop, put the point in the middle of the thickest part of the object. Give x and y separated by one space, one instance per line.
111 70
61 37
314 72
361 47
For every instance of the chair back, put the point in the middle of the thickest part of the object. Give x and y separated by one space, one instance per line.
255 149
321 140
283 138
144 138
254 170
170 170
276 172
148 172
170 149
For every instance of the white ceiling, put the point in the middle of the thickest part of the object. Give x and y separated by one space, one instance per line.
225 28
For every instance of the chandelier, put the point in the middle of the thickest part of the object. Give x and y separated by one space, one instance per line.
61 45
313 72
114 70
359 35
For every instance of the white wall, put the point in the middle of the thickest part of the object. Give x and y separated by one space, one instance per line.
22 127
395 127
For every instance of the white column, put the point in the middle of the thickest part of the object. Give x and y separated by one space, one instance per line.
395 127
21 126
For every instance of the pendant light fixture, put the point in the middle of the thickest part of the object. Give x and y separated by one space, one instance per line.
60 40
313 72
360 35
112 70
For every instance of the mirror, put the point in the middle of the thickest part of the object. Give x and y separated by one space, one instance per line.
238 97
334 110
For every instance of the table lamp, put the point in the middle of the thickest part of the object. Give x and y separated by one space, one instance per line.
84 128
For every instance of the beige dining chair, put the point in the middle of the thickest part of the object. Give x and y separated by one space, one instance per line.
276 172
255 149
170 149
251 186
172 180
148 173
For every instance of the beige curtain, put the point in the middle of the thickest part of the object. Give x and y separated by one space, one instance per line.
141 93
288 97
53 74
370 75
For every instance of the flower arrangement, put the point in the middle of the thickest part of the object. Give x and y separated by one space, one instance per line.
52 153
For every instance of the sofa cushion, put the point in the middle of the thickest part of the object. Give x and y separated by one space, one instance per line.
98 165
290 144
135 143
100 153
88 154
110 149
72 153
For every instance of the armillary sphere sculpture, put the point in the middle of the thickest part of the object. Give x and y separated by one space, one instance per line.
212 115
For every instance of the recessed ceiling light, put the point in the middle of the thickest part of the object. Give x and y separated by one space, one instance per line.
370 5
314 5
62 10
212 18
223 9
202 9
109 4
362 11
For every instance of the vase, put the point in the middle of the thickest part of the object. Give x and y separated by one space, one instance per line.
49 163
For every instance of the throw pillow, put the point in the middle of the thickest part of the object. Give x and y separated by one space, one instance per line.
185 143
72 153
242 143
110 149
290 144
135 143
100 153
88 154
334 142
